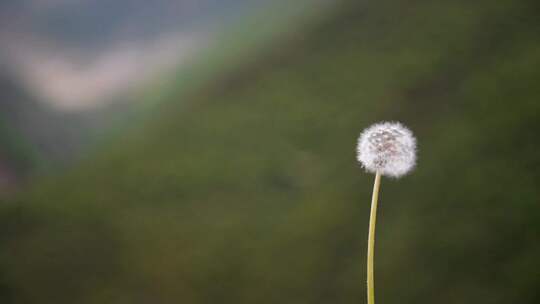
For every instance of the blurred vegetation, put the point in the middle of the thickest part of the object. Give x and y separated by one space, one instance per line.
13 148
36 139
248 190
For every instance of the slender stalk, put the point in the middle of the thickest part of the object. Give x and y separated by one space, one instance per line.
371 240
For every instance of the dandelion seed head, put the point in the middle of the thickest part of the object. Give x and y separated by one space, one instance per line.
387 147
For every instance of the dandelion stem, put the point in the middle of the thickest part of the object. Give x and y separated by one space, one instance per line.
371 240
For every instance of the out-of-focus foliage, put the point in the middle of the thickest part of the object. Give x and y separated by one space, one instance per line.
248 192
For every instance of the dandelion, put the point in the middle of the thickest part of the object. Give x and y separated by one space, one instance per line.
389 149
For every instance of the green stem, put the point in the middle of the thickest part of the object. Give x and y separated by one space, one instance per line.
371 240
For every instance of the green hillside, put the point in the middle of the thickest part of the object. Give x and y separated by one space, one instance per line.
18 160
18 156
248 191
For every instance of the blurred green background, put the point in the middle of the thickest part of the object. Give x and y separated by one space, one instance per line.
244 188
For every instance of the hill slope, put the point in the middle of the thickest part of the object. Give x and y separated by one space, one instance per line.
35 137
249 191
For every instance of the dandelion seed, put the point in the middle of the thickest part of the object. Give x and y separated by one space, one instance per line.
388 148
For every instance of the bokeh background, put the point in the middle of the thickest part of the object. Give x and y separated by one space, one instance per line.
203 151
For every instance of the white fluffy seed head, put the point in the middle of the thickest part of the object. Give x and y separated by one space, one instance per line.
388 148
